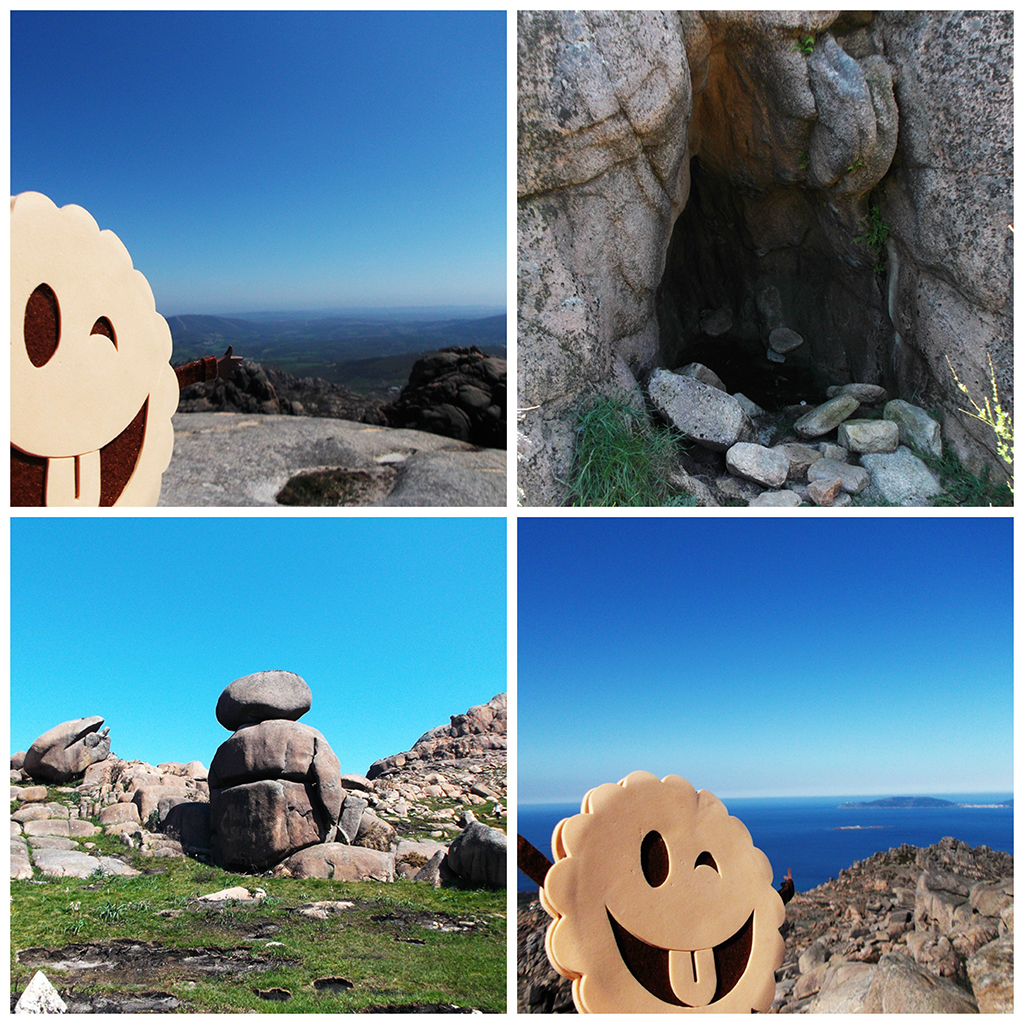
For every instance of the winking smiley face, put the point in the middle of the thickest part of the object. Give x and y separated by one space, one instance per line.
661 903
92 389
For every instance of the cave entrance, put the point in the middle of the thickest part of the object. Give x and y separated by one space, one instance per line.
744 262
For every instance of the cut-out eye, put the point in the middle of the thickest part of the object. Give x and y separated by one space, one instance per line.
42 325
654 858
706 858
106 328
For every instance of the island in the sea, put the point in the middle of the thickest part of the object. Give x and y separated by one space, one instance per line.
920 801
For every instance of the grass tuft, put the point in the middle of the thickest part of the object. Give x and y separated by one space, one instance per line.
621 459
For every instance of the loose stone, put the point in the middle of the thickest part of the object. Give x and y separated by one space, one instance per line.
826 417
869 435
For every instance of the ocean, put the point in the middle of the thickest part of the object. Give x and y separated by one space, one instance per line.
815 838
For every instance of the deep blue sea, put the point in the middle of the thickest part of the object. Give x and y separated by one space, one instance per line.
812 835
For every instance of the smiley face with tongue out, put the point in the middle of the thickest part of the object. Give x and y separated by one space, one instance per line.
661 903
92 389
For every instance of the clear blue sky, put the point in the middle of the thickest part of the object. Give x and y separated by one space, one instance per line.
395 623
275 160
766 657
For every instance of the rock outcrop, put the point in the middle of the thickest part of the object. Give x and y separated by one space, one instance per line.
906 931
279 802
67 749
275 785
455 392
239 460
830 191
481 730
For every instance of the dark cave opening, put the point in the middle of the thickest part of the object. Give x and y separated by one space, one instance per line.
743 262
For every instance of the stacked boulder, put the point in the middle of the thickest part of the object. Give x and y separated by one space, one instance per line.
831 456
275 785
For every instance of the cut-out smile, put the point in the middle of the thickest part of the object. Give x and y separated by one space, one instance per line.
115 462
690 978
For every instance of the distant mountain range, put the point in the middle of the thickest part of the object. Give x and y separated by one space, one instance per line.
921 801
365 350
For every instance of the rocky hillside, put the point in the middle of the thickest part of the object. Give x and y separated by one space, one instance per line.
269 391
906 931
457 392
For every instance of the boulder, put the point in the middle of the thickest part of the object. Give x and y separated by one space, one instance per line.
824 492
375 833
256 825
783 340
826 417
456 392
29 794
21 866
17 760
281 749
340 862
71 829
853 479
916 428
263 695
701 413
869 435
351 815
702 373
901 986
715 322
866 394
113 814
902 478
991 972
477 855
189 823
66 750
843 987
764 466
776 499
800 458
149 798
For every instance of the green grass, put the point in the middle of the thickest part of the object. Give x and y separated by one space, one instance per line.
961 486
396 961
465 968
805 45
621 459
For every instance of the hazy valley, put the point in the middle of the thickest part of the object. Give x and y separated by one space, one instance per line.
366 351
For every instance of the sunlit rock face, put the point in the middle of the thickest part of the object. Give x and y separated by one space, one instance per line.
679 170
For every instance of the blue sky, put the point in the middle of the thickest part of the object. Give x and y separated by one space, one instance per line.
395 623
275 160
766 657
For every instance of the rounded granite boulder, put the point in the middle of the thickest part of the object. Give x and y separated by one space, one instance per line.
262 696
66 750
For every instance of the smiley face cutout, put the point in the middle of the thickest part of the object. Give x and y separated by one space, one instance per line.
661 903
92 389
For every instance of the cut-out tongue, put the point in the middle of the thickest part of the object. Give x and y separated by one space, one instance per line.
74 480
692 975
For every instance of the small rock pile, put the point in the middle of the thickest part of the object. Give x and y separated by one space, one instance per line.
830 457
455 392
906 931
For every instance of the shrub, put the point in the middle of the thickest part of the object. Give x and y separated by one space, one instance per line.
992 415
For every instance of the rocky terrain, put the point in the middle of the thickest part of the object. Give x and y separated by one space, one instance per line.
274 799
905 931
456 392
237 460
173 888
270 391
694 185
857 443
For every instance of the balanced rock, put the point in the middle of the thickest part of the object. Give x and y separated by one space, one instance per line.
263 695
66 750
275 784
